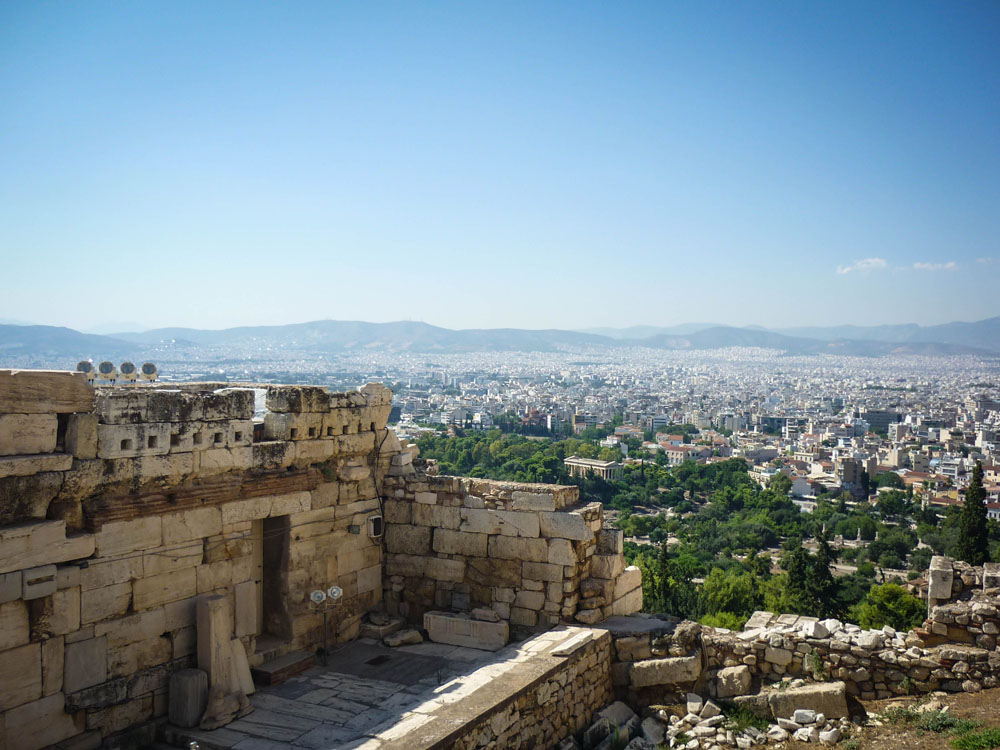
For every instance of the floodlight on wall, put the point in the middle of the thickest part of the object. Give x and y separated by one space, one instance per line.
148 371
128 372
107 371
318 596
376 526
335 592
87 368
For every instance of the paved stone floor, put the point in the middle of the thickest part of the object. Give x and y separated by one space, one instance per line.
364 690
370 697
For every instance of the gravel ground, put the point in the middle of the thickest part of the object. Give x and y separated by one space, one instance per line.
983 707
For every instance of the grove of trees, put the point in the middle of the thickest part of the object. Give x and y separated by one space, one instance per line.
719 523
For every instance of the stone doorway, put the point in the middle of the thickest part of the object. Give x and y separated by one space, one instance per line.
276 623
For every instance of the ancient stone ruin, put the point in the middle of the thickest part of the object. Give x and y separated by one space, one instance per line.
166 549
149 530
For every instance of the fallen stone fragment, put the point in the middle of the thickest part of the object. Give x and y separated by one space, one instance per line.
709 710
652 730
777 734
485 614
617 713
403 638
806 734
694 703
804 716
830 737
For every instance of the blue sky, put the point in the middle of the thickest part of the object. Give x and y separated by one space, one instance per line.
504 164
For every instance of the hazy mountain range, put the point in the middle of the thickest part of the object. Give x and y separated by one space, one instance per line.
331 336
983 334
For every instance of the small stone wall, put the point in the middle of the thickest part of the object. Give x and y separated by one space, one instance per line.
556 705
530 552
955 650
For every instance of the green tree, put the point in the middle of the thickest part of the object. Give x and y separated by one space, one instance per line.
811 587
973 540
735 591
888 604
781 485
890 479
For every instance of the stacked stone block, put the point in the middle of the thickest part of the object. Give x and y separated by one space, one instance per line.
612 588
523 550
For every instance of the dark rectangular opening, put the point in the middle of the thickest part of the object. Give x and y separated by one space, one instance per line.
175 440
151 441
274 577
238 437
197 438
218 438
62 425
126 445
294 433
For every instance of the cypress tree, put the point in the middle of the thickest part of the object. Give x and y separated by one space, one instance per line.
973 541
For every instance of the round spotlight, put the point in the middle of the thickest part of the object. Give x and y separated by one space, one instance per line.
335 592
87 368
318 596
107 371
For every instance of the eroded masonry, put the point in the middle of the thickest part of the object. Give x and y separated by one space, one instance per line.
164 548
146 530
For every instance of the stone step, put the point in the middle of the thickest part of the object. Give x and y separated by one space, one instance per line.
278 670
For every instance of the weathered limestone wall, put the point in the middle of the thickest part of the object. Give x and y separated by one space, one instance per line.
119 508
532 553
955 649
554 706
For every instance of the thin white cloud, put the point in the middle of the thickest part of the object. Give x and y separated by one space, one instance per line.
987 261
863 266
949 266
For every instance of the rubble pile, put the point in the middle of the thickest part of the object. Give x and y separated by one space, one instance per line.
704 726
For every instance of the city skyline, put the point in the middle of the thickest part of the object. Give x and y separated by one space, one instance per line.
477 167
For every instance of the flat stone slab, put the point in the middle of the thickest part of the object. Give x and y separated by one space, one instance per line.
673 670
456 630
278 670
829 698
622 625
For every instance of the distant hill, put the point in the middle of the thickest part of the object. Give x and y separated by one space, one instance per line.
982 334
336 336
645 332
57 342
722 337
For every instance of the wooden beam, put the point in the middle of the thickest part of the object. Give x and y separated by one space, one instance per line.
44 392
